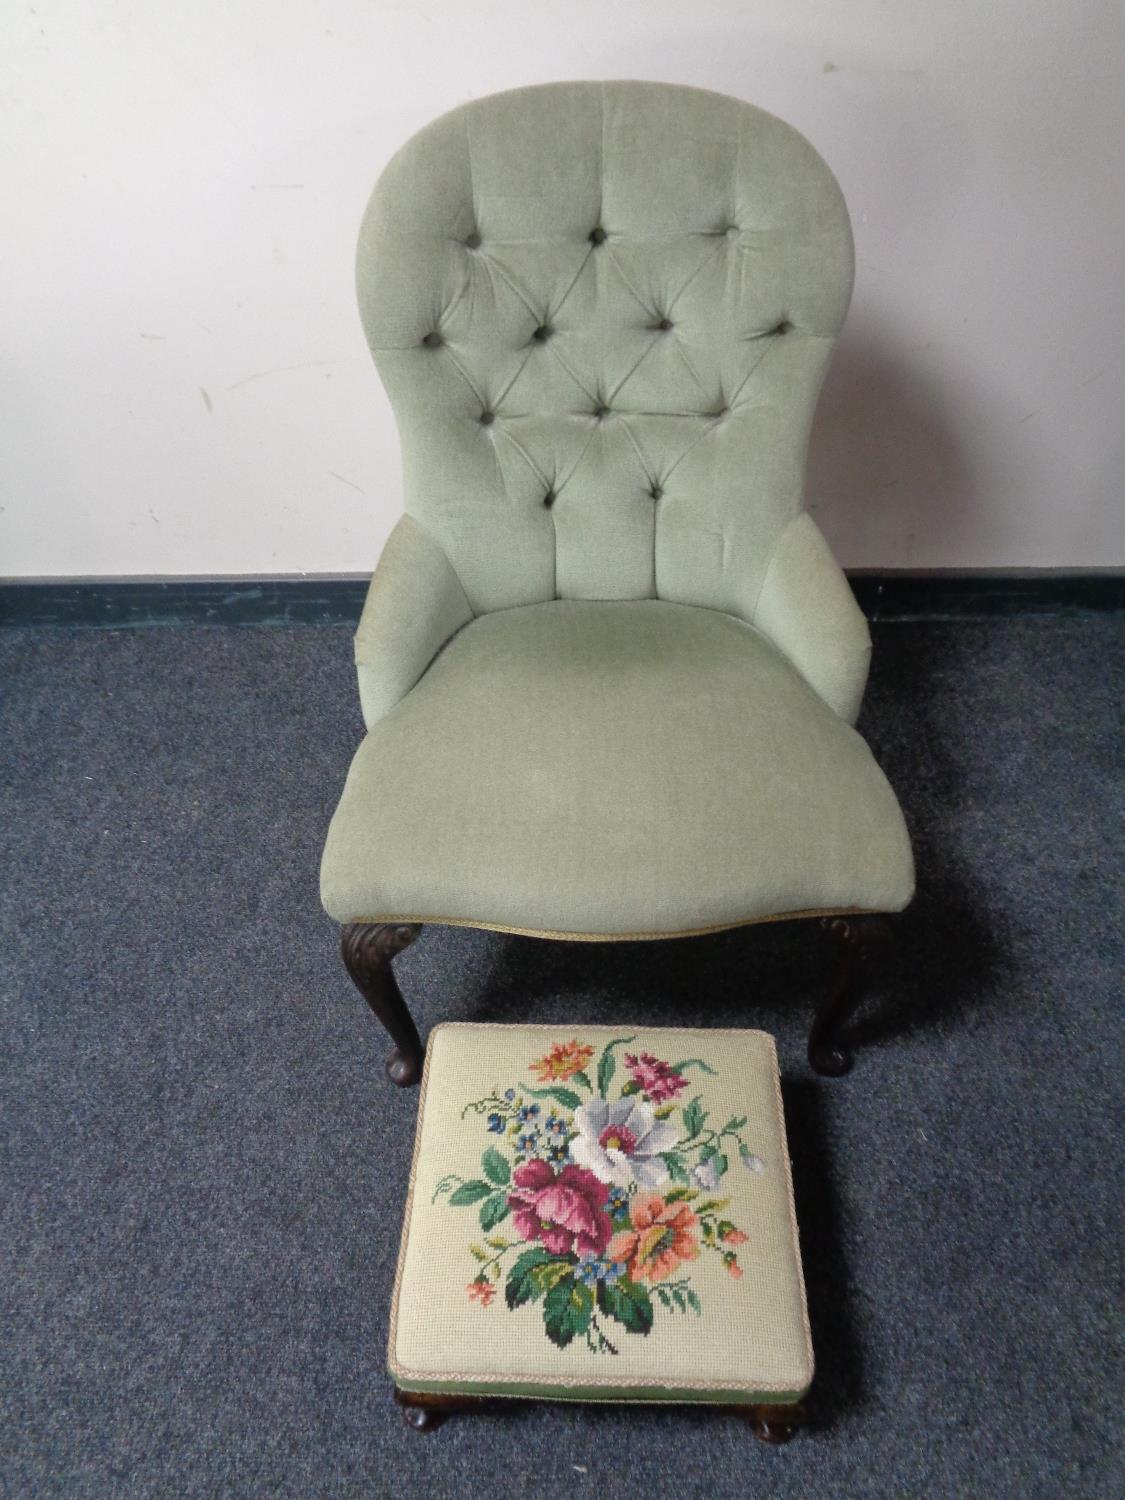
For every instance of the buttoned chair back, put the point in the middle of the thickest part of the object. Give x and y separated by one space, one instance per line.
602 313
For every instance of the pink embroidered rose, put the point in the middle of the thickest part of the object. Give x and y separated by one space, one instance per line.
566 1212
657 1080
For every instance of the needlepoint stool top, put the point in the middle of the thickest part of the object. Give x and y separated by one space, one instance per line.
601 1213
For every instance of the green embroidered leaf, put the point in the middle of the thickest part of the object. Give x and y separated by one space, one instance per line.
663 1295
492 1210
708 1151
681 1195
470 1192
694 1302
721 1164
606 1065
566 1097
496 1167
732 1125
632 1087
477 1253
549 1275
665 1110
678 1298
628 1303
694 1062
521 1287
567 1308
712 1206
725 1227
675 1164
583 1079
497 1242
694 1116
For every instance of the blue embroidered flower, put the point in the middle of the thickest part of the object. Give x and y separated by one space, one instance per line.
496 1122
558 1151
509 1094
618 1203
528 1114
528 1143
592 1268
554 1125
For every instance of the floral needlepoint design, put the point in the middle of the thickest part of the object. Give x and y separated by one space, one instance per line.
565 1060
606 1198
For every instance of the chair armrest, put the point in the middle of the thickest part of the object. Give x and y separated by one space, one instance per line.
808 610
415 603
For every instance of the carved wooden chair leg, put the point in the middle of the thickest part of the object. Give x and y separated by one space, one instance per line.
856 938
775 1424
368 948
425 1410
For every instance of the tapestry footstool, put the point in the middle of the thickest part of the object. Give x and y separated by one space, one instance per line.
600 1214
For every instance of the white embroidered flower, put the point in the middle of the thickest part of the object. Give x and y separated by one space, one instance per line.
621 1142
705 1175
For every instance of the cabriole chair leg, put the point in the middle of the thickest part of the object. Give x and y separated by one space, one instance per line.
368 948
856 939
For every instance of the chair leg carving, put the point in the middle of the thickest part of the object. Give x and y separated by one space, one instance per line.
368 948
856 939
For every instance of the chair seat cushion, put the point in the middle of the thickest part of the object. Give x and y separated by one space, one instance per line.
601 1213
627 768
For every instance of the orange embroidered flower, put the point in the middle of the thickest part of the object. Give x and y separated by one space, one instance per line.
563 1061
731 1263
732 1236
660 1240
481 1291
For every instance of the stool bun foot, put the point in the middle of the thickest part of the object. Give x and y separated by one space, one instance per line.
425 1410
775 1424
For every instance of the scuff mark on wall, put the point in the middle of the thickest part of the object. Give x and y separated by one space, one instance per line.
206 399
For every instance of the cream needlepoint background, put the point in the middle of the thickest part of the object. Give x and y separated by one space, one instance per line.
741 1324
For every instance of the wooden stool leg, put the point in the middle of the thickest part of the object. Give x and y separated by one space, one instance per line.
775 1424
425 1410
856 938
367 949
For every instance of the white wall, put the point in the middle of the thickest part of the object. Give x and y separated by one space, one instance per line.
185 388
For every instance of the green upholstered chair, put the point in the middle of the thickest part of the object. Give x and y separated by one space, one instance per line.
608 665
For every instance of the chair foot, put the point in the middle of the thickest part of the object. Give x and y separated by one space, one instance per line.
856 938
367 949
775 1424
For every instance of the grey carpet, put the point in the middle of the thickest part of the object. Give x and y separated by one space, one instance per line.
205 1166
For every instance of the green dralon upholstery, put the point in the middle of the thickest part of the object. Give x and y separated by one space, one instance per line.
607 663
621 767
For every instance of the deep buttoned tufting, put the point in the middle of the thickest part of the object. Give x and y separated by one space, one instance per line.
607 662
633 251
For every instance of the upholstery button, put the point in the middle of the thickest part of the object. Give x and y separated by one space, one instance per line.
549 499
656 492
487 418
784 326
543 333
472 241
433 341
601 411
730 231
664 325
719 413
597 236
